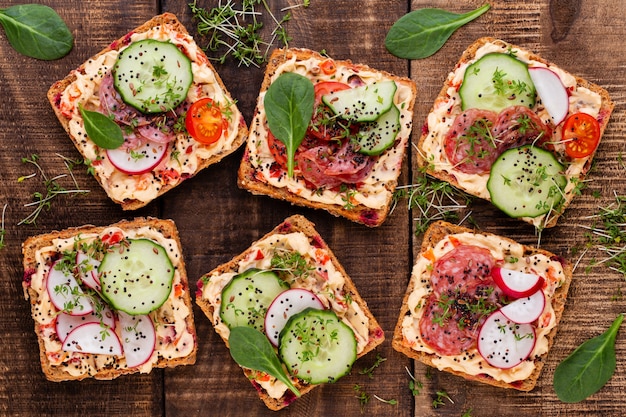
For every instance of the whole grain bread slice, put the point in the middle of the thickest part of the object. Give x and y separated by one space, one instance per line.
606 108
33 244
435 233
249 178
296 223
169 19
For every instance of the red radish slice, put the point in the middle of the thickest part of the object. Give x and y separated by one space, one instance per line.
138 338
93 338
65 293
65 323
551 91
139 160
285 305
526 309
504 344
88 270
516 284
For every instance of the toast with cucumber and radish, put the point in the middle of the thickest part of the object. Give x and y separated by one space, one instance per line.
482 306
328 134
109 300
148 112
287 300
514 129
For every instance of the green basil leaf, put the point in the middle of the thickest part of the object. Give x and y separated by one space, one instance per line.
103 131
421 33
251 349
288 103
587 368
37 31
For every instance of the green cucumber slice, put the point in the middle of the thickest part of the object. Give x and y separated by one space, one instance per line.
497 81
317 347
152 76
375 137
136 276
362 104
526 182
246 298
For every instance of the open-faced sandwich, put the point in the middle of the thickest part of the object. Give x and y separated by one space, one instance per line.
347 155
109 301
482 306
175 114
287 299
514 129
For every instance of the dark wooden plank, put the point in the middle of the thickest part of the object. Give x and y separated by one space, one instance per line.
29 127
377 260
579 37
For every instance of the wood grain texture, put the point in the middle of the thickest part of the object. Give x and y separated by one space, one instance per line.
216 220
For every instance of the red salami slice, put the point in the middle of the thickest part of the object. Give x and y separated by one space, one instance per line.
464 293
469 144
462 269
517 126
440 329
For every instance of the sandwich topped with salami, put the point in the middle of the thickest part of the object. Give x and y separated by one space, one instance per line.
148 112
346 150
512 128
482 306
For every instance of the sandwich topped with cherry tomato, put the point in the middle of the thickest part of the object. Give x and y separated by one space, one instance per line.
328 134
148 112
512 128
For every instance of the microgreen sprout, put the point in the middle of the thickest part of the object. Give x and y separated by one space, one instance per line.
441 395
609 234
236 31
432 200
53 187
370 370
2 229
414 385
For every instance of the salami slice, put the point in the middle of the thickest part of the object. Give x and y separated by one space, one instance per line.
470 145
462 269
440 329
464 294
517 126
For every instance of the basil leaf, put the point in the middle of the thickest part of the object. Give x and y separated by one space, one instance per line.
251 349
421 33
101 129
587 368
37 31
289 102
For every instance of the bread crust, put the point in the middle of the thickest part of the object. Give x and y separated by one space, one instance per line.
34 243
247 176
606 109
296 223
440 230
59 86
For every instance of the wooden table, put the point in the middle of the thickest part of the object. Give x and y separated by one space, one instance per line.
217 220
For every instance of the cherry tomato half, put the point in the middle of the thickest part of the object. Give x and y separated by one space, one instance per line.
277 149
326 87
204 121
581 134
328 67
318 128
